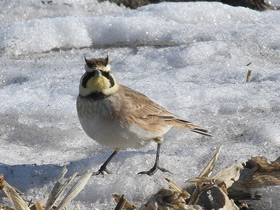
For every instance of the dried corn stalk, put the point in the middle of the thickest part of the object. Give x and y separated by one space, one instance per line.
216 198
57 189
19 203
5 207
228 176
174 186
122 203
211 191
75 190
38 206
169 199
12 194
220 200
257 173
166 199
203 179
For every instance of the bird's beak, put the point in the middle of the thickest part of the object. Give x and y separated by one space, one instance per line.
98 73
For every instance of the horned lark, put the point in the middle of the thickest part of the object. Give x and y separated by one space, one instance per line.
119 117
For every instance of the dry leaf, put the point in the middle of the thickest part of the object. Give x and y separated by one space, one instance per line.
257 173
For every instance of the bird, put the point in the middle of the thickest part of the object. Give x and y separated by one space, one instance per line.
119 117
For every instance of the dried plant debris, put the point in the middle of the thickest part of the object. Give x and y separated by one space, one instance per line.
257 173
174 186
173 198
225 190
203 179
75 190
5 207
168 199
260 5
211 192
2 181
16 198
228 176
13 195
220 200
122 203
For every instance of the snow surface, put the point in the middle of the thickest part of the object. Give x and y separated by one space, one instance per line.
189 57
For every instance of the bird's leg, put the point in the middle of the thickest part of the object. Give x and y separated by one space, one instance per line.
154 169
103 168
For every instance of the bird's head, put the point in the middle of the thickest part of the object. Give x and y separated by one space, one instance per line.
94 64
98 79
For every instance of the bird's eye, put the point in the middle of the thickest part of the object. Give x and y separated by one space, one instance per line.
88 76
90 65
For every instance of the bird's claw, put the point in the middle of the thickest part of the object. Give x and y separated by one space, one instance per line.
102 171
153 170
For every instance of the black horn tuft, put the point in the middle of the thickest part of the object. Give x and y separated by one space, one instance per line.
86 60
107 60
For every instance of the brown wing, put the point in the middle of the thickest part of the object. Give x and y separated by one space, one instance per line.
138 108
142 110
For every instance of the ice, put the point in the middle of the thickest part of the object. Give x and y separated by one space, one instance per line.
189 57
17 10
134 28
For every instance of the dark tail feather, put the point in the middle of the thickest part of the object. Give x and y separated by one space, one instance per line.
183 124
201 131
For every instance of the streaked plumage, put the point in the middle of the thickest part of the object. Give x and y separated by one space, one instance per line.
120 117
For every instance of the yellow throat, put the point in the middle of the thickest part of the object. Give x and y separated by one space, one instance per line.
97 80
98 84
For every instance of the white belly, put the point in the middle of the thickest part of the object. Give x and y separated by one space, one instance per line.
100 124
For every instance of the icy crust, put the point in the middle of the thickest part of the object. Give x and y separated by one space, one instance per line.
197 82
165 24
17 10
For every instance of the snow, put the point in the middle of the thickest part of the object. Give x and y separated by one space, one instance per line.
189 57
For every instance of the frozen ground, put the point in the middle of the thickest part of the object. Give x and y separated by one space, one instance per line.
189 57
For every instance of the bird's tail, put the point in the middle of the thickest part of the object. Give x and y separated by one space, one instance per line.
182 124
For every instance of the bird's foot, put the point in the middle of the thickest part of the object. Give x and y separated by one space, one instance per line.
153 170
102 171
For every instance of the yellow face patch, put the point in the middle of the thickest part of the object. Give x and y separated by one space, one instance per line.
98 84
92 83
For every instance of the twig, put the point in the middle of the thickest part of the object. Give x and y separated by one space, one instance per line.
121 203
249 76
